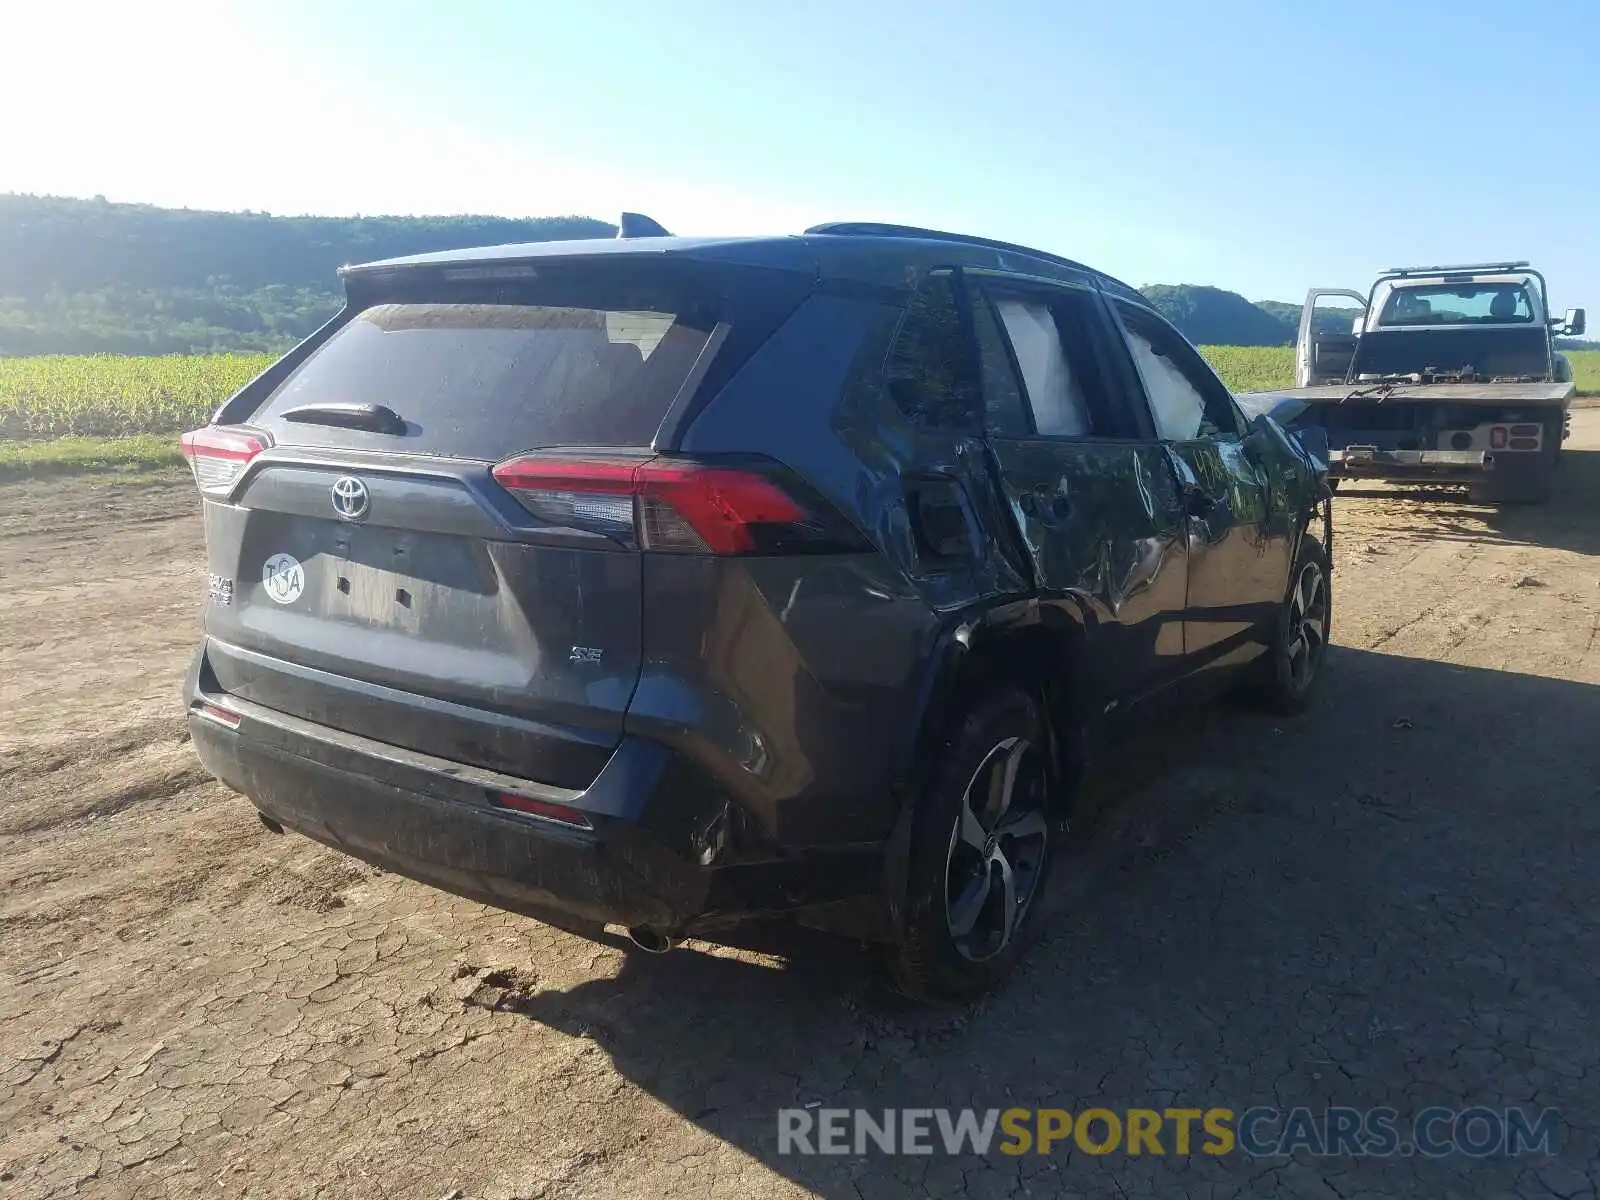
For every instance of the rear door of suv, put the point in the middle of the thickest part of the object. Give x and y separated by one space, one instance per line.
1091 488
429 532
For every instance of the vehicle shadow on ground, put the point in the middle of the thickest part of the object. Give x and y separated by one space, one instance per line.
1569 521
1374 903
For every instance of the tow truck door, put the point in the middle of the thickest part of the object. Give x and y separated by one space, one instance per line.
1324 356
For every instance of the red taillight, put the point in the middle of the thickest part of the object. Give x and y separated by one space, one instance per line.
548 809
1498 437
217 456
720 507
667 505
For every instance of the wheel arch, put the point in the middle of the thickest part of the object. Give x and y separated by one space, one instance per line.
1042 648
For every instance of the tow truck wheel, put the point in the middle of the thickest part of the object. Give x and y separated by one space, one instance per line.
1516 482
1523 478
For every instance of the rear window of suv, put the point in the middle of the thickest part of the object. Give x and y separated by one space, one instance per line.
583 358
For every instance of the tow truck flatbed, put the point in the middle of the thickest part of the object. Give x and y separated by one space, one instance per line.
1534 392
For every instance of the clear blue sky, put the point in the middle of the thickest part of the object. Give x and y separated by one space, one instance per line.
1259 145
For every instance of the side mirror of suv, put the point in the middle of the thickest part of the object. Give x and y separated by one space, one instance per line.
1313 440
1277 426
1573 323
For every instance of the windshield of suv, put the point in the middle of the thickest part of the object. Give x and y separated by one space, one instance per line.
1458 304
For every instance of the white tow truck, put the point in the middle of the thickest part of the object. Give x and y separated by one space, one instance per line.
1444 373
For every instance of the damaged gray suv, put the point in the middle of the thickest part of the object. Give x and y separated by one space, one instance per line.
672 582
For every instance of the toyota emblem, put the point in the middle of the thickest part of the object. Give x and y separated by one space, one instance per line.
350 498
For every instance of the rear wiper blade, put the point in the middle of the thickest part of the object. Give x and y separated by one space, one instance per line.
376 418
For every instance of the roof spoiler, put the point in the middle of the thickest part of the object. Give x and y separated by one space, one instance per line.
637 225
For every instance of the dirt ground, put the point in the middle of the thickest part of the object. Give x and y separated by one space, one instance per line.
1390 900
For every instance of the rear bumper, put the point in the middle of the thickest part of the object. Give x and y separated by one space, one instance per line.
1443 466
661 848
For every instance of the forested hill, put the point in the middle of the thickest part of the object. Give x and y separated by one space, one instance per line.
88 276
85 276
1210 316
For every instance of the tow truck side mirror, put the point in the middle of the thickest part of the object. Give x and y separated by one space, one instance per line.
1573 323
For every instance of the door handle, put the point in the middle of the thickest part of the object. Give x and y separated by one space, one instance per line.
1197 502
938 512
1047 505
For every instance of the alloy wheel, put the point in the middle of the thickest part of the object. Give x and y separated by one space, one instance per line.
997 849
1308 625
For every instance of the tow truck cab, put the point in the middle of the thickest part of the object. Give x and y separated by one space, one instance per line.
1447 373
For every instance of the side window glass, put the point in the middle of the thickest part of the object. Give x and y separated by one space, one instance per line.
1055 389
929 371
1004 411
1186 402
1176 405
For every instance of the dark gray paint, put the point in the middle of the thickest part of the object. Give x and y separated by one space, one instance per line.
769 716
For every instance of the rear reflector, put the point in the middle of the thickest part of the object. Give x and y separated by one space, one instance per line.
221 716
677 506
218 456
547 809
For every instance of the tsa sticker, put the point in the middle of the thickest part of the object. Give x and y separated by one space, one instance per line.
283 578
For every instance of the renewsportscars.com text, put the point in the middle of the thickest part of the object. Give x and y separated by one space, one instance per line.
1260 1132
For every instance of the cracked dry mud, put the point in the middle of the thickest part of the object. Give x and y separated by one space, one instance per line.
1391 900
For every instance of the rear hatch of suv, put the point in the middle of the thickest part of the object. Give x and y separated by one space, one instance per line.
430 532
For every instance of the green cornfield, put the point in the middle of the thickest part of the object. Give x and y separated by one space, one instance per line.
1586 370
108 395
1252 368
1262 368
120 396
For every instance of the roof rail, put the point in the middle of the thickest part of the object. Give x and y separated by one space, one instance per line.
637 225
1458 268
881 229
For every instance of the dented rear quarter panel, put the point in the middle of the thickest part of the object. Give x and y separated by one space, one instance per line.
805 714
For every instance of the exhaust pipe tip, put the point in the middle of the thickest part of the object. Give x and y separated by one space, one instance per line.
651 941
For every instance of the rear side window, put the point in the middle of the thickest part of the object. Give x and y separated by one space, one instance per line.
1055 390
1054 336
930 370
582 358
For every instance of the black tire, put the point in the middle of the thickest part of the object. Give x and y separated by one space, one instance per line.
1288 673
1525 479
956 942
